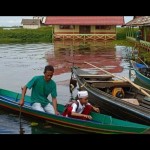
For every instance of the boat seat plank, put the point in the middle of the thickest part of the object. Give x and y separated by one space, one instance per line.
87 75
95 77
147 98
108 84
131 100
146 102
119 81
145 105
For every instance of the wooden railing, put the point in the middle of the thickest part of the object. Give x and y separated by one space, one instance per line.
85 36
143 44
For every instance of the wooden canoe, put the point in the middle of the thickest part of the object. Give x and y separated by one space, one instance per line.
100 124
133 106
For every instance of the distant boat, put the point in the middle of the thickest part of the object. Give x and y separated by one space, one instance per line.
100 124
142 72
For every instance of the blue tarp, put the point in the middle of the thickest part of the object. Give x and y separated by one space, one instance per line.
140 65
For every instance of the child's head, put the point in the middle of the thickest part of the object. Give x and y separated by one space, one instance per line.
83 97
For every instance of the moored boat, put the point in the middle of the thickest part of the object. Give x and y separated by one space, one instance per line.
117 98
142 72
100 124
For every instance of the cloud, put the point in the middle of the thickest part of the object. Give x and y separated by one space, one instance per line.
127 18
12 20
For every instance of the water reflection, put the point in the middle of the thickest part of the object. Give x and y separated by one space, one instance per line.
10 124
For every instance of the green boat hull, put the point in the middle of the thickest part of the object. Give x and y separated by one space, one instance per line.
100 124
142 78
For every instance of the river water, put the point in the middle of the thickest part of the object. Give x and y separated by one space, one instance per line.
20 62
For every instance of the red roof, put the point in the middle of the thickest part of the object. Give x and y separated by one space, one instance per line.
84 20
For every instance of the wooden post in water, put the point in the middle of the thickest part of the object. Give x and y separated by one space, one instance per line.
130 71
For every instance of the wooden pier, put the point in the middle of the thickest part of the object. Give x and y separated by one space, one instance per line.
142 44
84 37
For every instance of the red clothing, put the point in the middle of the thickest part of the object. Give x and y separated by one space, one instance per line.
86 111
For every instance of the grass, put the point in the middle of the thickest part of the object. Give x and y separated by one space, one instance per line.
121 32
43 34
123 43
145 56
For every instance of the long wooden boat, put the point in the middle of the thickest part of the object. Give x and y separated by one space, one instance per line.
131 104
100 123
142 72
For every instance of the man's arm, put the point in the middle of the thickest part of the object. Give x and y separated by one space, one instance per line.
80 115
54 101
74 113
24 90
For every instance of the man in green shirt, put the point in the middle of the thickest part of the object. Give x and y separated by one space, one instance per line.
42 86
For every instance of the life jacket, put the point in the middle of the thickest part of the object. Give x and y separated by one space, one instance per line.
69 104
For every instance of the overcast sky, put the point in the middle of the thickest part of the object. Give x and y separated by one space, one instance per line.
16 20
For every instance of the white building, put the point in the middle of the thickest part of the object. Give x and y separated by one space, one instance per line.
31 23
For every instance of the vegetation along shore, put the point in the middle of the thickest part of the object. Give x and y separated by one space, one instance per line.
20 35
40 35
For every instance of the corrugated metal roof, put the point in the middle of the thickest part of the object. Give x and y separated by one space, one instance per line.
84 20
30 21
144 20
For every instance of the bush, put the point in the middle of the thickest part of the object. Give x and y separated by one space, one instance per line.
43 34
121 32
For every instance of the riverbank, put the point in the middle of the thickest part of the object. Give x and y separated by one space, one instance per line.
41 35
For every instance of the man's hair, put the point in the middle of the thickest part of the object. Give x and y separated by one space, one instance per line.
48 68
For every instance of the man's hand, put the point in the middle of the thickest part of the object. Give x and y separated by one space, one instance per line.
21 102
57 113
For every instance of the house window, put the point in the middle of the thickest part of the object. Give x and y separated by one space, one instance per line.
103 27
67 26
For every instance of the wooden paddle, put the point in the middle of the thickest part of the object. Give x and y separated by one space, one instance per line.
136 86
116 76
20 110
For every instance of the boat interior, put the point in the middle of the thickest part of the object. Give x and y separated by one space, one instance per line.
117 88
145 71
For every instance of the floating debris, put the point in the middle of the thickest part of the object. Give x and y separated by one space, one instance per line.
34 124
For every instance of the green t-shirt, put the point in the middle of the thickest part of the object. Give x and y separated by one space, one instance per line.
138 35
41 89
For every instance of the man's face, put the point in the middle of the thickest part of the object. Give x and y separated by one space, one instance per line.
48 75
